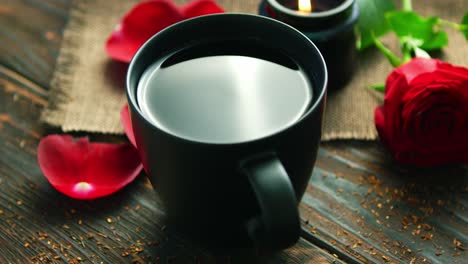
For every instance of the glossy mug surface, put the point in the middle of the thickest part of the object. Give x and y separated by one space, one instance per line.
227 113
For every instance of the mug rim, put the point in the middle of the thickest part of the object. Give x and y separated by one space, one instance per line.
132 101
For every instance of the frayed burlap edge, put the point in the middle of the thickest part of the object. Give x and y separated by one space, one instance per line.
67 61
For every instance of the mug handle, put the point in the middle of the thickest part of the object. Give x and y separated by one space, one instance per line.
277 226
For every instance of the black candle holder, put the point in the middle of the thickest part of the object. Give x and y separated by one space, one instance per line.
330 27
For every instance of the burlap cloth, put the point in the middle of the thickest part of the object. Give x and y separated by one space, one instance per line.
88 87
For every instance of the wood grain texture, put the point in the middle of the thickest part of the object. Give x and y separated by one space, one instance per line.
40 225
381 212
30 33
359 205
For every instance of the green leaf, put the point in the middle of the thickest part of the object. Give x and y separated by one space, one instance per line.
408 25
437 41
464 25
378 87
372 19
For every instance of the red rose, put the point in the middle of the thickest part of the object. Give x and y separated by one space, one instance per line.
424 119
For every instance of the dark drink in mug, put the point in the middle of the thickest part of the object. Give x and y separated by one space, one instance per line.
224 96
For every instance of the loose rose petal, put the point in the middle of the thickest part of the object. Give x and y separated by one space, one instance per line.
200 8
127 124
84 170
148 18
122 48
142 22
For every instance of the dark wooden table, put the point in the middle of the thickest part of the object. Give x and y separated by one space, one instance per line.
359 206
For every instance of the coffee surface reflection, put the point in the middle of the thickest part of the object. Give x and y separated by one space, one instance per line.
223 98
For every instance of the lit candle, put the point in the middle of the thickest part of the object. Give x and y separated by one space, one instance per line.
329 24
305 6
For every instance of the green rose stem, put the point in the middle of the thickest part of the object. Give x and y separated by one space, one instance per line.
416 34
459 27
394 60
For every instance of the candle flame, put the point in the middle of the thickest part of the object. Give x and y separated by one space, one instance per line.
305 6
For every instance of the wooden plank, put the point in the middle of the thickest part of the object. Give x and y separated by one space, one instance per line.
381 212
352 192
40 225
31 32
43 226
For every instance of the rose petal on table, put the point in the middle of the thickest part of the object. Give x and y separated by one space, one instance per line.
122 48
84 170
143 21
127 124
200 8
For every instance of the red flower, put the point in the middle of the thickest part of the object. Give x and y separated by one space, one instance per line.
424 119
148 18
85 170
127 125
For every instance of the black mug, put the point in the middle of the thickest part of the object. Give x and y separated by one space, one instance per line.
236 194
